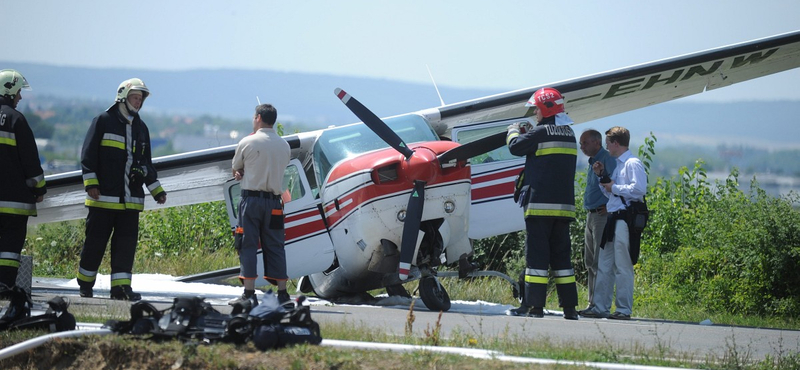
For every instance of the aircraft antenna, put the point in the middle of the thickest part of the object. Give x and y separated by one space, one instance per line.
434 85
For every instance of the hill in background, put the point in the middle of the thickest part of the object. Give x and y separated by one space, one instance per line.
308 99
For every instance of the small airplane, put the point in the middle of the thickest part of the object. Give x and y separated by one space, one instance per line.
382 202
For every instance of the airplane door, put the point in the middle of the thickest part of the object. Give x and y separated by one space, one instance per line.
492 211
308 246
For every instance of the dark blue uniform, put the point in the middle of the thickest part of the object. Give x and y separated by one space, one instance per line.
23 181
550 158
113 148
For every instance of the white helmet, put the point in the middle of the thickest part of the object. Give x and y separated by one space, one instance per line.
11 82
134 84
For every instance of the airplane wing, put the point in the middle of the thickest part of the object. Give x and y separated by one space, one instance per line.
198 176
188 178
625 89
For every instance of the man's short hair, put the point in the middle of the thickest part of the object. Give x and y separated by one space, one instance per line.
268 114
593 134
619 135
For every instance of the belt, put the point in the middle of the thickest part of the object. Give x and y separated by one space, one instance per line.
595 210
260 194
619 213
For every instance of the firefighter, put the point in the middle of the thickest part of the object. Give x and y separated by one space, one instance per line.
116 162
548 201
23 182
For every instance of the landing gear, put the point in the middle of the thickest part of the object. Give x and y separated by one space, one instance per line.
433 294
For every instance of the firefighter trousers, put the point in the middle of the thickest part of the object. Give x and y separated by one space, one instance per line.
547 244
13 230
122 227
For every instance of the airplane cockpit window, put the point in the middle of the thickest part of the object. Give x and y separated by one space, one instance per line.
336 144
502 153
292 186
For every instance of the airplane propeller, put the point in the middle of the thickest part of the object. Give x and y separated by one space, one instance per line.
419 165
374 123
475 148
416 203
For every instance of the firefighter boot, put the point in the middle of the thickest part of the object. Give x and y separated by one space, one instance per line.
87 292
524 310
124 293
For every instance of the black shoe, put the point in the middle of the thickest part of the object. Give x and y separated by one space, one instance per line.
244 300
592 314
526 311
283 297
619 316
570 313
124 293
588 308
243 304
87 292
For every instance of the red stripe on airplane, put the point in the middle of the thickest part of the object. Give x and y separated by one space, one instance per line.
502 189
303 230
496 175
299 216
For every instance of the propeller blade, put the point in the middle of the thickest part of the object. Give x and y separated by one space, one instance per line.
374 123
475 148
408 246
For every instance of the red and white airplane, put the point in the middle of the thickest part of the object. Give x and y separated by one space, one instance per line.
382 202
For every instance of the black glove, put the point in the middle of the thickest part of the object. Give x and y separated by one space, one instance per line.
137 174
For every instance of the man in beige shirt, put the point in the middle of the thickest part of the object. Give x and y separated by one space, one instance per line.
259 163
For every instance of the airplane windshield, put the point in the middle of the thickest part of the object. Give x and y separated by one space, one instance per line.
344 142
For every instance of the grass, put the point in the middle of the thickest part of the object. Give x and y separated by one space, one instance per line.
129 352
115 351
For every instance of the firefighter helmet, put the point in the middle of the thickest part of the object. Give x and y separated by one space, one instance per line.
11 82
548 100
134 84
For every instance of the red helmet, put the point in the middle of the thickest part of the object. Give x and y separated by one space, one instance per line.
548 100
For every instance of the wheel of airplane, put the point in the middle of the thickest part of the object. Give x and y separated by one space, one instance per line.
433 294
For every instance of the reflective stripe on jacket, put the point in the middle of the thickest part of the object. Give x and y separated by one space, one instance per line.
23 177
550 154
113 146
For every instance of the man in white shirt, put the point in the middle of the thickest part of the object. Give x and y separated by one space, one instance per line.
627 183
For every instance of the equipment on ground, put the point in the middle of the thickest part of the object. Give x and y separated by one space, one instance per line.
269 325
23 313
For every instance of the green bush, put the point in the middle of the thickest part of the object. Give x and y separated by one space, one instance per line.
720 248
196 228
55 248
169 236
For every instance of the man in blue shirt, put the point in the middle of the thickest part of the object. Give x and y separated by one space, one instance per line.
627 183
594 201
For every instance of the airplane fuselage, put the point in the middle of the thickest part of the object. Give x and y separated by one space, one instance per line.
364 200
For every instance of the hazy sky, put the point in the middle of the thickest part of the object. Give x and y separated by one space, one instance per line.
502 45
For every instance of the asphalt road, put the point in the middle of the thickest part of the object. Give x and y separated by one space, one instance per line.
486 320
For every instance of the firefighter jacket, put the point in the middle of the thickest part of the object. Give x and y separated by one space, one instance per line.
23 178
116 159
549 176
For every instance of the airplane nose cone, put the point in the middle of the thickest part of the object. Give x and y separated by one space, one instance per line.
421 166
